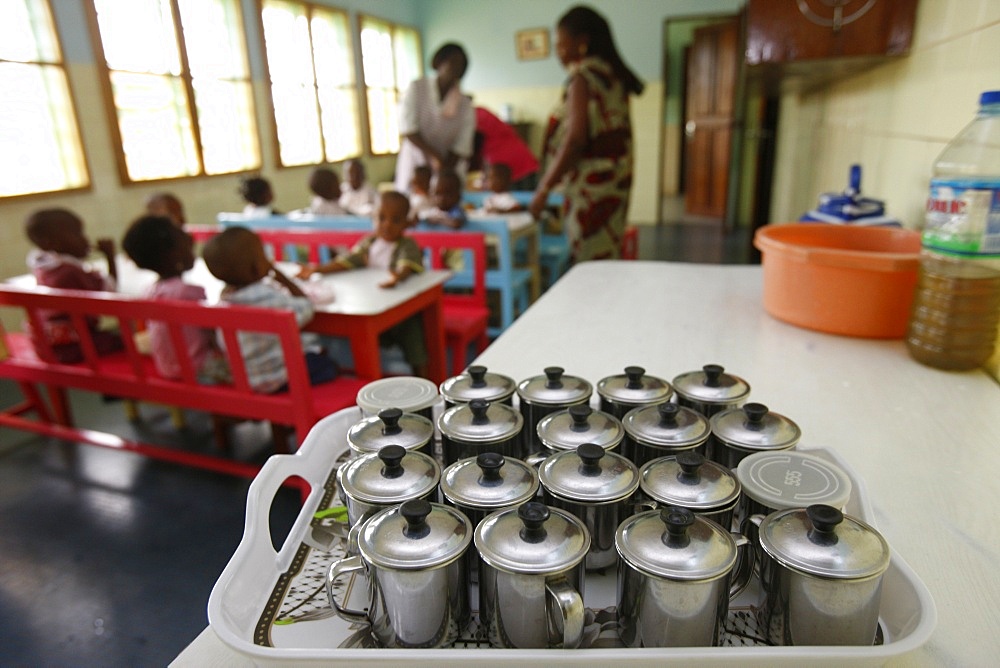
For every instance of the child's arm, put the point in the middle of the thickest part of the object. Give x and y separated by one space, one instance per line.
107 248
289 284
408 260
333 266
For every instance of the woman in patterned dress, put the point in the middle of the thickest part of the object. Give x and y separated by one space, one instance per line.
588 143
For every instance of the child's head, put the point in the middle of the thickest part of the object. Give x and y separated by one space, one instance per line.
498 178
447 190
157 244
325 183
57 231
393 216
355 173
421 182
236 257
256 191
166 204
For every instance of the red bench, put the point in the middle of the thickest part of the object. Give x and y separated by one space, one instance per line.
131 375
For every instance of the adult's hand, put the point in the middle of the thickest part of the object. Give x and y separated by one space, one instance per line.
538 203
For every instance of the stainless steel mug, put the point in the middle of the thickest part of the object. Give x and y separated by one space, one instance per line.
532 578
418 587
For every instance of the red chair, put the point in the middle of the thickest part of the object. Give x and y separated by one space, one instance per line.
466 314
630 243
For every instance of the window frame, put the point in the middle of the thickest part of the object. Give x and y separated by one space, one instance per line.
393 26
187 81
74 109
361 128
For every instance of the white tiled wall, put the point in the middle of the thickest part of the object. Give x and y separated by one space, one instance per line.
893 120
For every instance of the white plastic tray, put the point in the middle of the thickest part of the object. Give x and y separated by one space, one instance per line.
244 589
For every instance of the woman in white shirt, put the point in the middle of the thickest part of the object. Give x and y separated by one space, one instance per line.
437 122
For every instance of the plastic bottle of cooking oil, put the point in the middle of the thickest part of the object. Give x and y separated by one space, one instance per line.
956 307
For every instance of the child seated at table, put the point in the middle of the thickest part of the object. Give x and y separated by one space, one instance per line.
357 196
157 244
389 249
257 193
420 193
57 262
447 211
500 199
166 204
325 186
236 257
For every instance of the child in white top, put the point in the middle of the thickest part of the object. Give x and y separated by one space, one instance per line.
356 194
500 199
325 186
257 193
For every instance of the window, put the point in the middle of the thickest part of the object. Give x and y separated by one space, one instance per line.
40 148
310 61
390 55
180 86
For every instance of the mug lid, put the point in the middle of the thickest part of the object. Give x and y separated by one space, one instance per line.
489 481
391 475
477 383
414 535
407 393
754 427
711 385
554 388
532 538
822 541
793 479
569 428
480 421
589 474
675 543
667 425
690 481
634 388
390 427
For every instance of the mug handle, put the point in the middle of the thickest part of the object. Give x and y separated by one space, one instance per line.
743 571
338 569
571 607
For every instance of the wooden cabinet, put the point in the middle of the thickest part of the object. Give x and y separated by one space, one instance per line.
807 43
784 31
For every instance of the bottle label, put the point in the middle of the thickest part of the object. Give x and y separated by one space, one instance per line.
963 217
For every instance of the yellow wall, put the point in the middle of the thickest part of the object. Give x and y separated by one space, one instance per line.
893 120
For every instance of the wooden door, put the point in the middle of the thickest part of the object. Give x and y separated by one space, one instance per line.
712 70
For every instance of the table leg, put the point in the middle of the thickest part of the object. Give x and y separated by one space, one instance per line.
433 320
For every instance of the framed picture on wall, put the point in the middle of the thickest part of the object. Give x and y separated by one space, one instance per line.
532 43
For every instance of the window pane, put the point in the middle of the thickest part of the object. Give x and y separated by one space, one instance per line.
297 120
332 49
340 123
27 33
225 119
138 36
213 37
376 55
286 40
38 132
384 122
157 137
407 44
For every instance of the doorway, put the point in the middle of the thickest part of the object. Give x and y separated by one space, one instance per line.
718 133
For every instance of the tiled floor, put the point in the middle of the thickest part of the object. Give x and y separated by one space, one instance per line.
108 558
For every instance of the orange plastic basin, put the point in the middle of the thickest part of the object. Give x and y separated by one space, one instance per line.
841 279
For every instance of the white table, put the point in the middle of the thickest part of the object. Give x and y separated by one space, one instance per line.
926 442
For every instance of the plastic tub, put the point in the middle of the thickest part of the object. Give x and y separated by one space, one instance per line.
840 279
